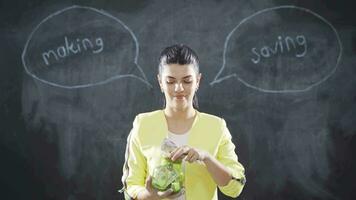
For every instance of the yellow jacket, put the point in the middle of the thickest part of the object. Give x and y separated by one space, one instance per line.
208 133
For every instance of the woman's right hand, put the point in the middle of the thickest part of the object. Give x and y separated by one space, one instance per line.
152 193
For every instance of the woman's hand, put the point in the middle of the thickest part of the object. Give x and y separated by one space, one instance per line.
153 194
191 154
218 171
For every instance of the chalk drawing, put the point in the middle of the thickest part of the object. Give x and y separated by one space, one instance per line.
282 45
74 46
279 47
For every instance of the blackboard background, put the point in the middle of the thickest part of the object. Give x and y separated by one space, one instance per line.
61 143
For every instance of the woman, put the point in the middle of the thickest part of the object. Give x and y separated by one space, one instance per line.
203 140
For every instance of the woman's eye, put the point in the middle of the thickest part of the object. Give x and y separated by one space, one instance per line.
184 81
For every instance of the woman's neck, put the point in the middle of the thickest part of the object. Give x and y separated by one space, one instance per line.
179 114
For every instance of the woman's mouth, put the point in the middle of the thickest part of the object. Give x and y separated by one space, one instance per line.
179 97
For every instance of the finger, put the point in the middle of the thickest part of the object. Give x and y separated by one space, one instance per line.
164 194
173 152
194 158
149 182
189 155
179 153
180 193
176 154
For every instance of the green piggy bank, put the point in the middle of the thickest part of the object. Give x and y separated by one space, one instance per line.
168 175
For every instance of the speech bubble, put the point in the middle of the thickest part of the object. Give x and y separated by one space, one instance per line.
281 49
79 47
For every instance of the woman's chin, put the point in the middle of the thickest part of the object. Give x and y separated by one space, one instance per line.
180 106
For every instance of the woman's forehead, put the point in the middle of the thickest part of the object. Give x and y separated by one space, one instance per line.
178 71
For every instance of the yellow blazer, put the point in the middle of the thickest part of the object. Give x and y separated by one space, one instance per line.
208 133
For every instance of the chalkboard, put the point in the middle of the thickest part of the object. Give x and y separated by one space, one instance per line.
75 73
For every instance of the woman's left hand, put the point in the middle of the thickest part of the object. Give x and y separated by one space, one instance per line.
191 154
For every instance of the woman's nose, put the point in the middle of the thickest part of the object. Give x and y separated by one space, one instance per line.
178 87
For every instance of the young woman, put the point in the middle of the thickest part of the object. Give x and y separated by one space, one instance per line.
203 140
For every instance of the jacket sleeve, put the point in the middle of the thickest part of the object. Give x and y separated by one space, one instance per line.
227 156
134 170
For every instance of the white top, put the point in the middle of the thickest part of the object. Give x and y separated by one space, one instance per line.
179 140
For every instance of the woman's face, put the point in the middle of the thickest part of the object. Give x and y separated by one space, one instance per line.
179 84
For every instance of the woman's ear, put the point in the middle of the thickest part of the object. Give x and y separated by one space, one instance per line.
159 79
198 79
160 82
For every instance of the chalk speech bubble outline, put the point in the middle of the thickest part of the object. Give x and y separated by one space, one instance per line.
142 79
219 79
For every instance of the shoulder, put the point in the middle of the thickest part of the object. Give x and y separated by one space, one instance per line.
148 120
149 116
149 127
210 118
150 113
211 122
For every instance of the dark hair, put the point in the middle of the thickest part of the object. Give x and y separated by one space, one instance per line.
182 55
178 54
